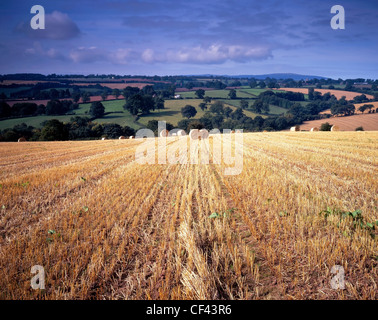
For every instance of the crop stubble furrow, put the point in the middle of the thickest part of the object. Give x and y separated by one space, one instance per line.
282 239
92 229
131 231
27 164
22 207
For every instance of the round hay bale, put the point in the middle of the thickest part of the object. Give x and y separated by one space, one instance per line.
314 129
204 134
164 133
193 134
22 139
296 128
181 133
131 137
122 137
265 131
335 128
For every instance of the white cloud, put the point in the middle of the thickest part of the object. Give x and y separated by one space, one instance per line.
121 56
149 56
213 54
88 55
38 50
58 26
93 54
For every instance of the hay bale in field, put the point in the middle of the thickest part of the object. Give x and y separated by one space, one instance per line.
181 133
103 138
193 134
296 128
335 128
314 129
122 137
164 133
204 134
131 137
265 131
22 139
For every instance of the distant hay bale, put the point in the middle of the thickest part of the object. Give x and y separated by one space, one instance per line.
122 137
131 137
103 138
314 129
335 128
164 133
193 134
22 139
181 133
296 128
204 134
265 131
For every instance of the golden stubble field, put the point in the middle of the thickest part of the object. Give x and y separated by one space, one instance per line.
105 227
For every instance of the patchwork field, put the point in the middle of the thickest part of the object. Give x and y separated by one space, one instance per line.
172 110
356 105
337 93
375 104
223 94
349 123
106 227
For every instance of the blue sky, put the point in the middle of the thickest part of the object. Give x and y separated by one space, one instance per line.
159 37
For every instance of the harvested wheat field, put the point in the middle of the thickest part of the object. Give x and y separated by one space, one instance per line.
349 123
106 227
356 105
375 104
337 93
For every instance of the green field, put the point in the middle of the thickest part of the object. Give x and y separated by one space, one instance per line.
222 94
273 109
254 92
123 119
171 113
32 121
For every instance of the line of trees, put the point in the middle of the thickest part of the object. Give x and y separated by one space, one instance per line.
78 128
24 109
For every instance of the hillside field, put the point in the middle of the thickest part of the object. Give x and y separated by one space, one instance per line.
349 123
171 113
104 226
337 93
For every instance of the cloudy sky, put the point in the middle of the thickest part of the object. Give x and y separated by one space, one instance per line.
161 37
